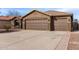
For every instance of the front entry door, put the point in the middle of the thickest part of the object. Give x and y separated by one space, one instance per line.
16 24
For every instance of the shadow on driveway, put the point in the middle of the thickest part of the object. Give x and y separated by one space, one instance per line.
11 30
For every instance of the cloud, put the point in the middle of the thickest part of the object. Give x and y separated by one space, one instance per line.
24 11
75 11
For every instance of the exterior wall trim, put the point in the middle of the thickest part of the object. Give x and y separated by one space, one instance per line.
34 11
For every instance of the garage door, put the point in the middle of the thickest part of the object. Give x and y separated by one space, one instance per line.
37 24
61 25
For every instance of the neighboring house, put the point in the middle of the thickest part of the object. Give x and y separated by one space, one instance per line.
75 24
50 20
16 22
78 25
13 21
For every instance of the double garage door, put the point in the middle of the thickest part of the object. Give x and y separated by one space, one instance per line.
37 24
44 24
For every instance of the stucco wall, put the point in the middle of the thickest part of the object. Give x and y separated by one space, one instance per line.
18 20
3 23
37 15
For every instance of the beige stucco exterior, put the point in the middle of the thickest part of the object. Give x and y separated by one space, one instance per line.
4 23
18 20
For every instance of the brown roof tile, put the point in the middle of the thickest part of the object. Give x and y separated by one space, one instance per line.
56 13
50 13
6 17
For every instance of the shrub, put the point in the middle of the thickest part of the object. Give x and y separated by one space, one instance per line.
7 27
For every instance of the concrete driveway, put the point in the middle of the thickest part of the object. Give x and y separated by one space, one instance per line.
34 40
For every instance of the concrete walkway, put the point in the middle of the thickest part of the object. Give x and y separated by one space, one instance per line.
34 40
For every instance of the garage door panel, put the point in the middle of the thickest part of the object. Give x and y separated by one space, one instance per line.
61 28
37 24
61 24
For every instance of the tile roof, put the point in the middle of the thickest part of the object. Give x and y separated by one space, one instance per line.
56 13
6 17
50 13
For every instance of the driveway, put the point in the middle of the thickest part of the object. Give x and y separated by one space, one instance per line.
34 40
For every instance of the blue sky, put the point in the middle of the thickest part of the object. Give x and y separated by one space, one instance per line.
23 11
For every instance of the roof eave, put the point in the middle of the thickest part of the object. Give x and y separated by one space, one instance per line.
34 11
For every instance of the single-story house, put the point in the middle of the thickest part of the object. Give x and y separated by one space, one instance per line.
36 20
49 20
12 21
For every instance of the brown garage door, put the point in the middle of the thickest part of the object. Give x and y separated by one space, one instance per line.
37 24
61 25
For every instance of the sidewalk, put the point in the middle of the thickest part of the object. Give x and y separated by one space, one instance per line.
74 41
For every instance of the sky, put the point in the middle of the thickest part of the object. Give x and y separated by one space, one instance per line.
24 11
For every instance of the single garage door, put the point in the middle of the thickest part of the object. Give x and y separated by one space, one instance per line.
37 24
61 25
